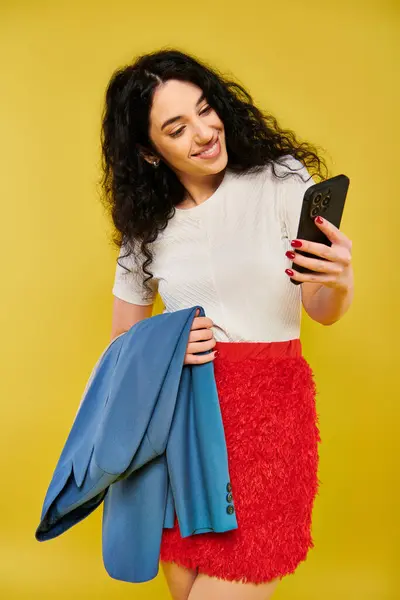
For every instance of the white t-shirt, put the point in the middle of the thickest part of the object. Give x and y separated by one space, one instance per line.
227 255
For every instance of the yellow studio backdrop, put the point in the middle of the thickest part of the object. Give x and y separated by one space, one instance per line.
328 70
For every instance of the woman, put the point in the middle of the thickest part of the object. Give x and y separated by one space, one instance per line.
205 193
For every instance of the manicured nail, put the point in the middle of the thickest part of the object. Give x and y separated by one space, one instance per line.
290 254
296 244
215 353
289 272
319 220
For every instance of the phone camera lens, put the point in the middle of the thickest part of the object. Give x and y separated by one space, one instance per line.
326 201
314 212
317 199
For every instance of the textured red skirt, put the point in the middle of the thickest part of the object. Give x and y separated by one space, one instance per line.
267 397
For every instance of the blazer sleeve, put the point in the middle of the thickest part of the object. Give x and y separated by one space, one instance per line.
80 481
78 486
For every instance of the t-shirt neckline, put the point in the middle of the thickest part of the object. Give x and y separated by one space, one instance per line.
180 212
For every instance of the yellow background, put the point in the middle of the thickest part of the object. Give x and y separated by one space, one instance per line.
327 70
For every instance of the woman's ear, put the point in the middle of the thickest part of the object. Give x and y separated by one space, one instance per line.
147 155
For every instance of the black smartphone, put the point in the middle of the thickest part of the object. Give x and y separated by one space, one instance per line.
326 198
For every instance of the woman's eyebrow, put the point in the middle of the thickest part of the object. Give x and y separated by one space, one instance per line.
173 119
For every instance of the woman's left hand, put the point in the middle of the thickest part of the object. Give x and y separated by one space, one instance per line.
336 271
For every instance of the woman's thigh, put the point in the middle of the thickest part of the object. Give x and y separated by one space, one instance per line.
213 588
179 579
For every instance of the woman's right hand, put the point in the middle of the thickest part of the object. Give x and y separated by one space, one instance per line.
201 338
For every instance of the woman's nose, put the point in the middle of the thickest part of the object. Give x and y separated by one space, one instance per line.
203 133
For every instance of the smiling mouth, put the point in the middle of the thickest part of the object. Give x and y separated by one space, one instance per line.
210 149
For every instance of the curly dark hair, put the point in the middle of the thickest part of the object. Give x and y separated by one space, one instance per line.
142 199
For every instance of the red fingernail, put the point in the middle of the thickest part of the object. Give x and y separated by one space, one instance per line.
319 220
296 244
290 254
289 272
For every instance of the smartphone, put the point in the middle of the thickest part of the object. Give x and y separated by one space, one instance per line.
326 198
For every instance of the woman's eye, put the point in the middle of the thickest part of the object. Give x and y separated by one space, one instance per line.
206 110
176 133
179 131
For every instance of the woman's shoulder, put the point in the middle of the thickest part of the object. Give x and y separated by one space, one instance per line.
283 166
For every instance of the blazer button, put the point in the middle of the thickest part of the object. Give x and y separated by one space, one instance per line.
228 487
229 497
229 509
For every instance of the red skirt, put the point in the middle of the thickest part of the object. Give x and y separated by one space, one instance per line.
267 398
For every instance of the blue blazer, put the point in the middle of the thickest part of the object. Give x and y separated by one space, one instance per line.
148 439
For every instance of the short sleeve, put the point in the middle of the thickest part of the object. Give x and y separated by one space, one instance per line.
128 285
292 189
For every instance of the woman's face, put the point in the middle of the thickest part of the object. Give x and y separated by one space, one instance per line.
182 125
